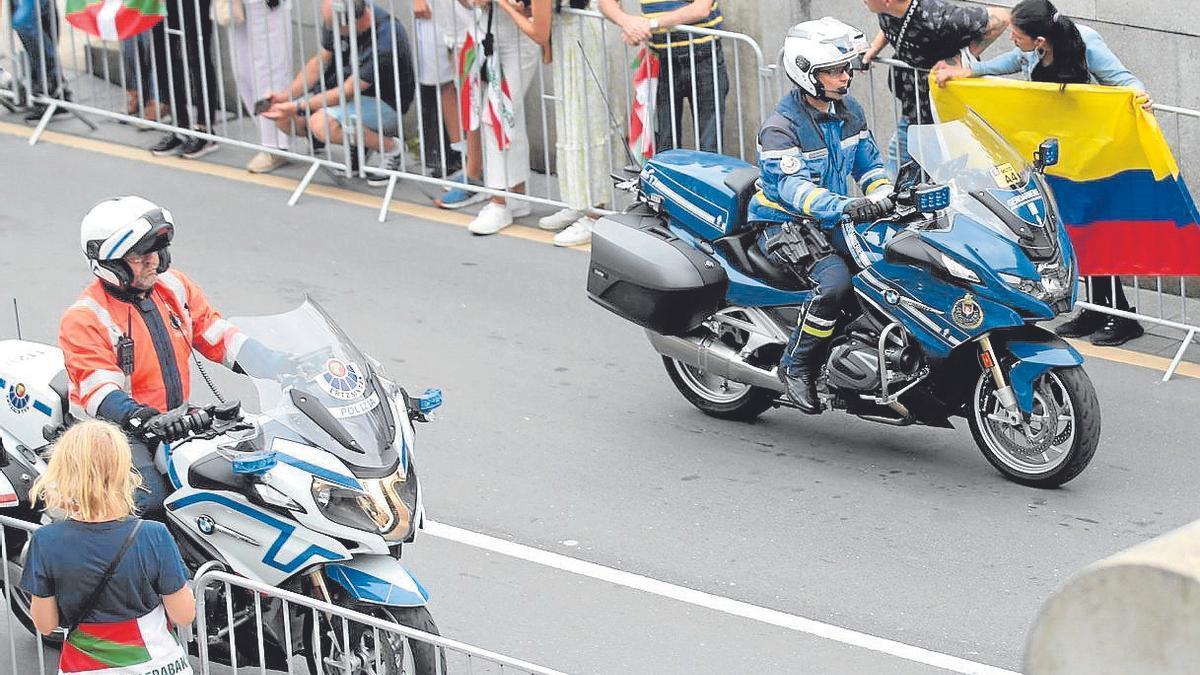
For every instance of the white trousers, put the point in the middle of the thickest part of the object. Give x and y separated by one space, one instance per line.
519 58
262 61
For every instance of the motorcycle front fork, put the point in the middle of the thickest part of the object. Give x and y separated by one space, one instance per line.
1004 391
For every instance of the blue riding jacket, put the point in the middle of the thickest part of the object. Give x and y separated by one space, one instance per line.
806 157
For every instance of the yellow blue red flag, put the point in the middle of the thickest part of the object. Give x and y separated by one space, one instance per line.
1118 187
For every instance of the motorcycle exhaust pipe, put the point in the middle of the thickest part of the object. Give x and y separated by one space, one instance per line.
714 356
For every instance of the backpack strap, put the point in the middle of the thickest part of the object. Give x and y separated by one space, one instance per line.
90 604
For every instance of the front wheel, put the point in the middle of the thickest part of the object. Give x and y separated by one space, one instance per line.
372 652
719 396
1054 444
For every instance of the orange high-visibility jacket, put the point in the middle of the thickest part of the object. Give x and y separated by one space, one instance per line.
164 327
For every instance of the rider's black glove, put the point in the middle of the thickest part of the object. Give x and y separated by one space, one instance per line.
169 427
138 419
863 210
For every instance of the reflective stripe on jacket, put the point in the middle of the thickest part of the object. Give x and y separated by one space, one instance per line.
164 327
805 157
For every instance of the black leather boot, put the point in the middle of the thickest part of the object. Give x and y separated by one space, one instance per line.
800 382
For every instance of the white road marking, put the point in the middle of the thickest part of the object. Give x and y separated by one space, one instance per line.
710 601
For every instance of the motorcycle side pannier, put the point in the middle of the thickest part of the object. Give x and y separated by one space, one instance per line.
643 273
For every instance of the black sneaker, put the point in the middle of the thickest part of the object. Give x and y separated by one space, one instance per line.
801 387
195 147
392 163
35 113
1085 323
1117 331
167 146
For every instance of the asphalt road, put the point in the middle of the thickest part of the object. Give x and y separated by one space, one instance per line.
562 432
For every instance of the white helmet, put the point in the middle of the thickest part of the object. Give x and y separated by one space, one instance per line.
115 228
815 45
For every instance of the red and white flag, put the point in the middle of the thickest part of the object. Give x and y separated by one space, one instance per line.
498 108
645 89
468 82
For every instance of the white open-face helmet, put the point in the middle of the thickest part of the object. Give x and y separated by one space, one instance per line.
816 45
117 227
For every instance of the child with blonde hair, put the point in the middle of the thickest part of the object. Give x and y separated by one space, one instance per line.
116 582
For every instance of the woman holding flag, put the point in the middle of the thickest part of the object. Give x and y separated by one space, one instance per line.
1050 47
501 73
581 147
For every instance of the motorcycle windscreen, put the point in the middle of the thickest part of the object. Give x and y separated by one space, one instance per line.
989 180
326 390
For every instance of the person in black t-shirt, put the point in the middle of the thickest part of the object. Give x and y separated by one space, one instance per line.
321 97
924 32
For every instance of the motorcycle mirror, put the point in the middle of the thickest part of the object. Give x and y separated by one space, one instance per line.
910 175
1046 155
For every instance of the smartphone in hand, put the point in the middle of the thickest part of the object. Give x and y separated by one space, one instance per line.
262 105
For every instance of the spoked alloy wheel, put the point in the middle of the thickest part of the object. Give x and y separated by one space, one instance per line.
719 396
1057 440
372 652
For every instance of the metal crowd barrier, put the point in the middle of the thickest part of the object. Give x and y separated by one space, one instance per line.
213 644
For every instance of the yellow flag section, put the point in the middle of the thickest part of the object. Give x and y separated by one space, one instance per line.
1117 185
1102 131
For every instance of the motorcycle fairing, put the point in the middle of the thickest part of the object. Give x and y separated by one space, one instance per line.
1036 351
378 579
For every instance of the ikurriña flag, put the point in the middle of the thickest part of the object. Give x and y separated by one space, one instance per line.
115 19
1118 187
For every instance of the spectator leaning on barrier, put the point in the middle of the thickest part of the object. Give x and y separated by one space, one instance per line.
439 27
186 73
508 168
582 133
261 46
689 64
36 24
115 582
384 61
1050 47
924 32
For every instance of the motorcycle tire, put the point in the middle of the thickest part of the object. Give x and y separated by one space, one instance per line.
719 397
1048 461
426 659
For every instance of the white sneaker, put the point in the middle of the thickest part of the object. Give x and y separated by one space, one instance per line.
580 232
560 219
519 208
492 218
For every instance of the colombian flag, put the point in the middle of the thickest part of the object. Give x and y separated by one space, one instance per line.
1117 184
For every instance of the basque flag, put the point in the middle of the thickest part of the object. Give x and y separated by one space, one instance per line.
115 19
645 89
1117 185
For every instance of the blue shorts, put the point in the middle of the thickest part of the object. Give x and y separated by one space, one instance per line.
376 116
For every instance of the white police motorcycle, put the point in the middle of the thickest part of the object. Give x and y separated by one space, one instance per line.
316 494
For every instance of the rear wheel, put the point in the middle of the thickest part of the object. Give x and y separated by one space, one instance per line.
719 396
1055 443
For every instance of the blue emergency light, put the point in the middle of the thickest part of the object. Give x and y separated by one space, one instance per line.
931 199
428 400
255 462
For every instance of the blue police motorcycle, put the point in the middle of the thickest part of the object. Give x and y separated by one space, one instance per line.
949 290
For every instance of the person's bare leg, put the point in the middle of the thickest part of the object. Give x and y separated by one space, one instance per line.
519 189
450 112
474 167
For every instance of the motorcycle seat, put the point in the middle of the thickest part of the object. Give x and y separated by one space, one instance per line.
742 181
742 251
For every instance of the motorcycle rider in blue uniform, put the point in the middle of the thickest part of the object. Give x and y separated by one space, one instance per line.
808 148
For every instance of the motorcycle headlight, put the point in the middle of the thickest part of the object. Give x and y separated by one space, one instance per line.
273 496
1027 286
385 505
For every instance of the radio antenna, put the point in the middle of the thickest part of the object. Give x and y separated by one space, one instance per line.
17 317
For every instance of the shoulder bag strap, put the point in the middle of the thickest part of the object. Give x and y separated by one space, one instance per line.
90 604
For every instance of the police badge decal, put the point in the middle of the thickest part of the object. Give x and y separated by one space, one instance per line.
967 313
